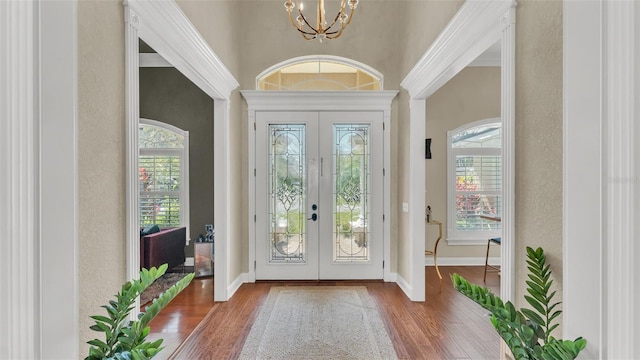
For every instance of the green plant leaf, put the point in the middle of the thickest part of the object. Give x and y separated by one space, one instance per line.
522 330
535 303
533 316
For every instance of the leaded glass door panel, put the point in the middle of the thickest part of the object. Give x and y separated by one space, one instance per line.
286 188
351 188
319 195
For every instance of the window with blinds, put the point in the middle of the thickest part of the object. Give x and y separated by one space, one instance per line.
474 185
162 169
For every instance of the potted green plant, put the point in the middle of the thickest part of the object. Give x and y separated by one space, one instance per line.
125 339
527 332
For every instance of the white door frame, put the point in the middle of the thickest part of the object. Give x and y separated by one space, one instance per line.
39 180
319 101
474 28
164 27
601 137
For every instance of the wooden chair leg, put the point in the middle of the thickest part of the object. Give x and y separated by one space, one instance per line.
486 262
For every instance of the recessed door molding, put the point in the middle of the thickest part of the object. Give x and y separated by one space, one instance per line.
318 101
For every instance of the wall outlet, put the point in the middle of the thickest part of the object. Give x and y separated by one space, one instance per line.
405 207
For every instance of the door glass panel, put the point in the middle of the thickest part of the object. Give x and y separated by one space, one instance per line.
287 193
351 178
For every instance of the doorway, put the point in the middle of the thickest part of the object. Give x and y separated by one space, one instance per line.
319 195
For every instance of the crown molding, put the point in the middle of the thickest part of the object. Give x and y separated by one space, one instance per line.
319 100
475 27
164 27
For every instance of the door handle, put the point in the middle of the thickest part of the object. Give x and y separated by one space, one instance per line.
313 217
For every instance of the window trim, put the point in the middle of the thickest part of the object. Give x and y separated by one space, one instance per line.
320 58
184 167
455 237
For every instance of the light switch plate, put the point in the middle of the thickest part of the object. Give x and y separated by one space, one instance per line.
405 207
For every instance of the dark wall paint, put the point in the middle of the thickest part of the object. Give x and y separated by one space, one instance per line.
167 96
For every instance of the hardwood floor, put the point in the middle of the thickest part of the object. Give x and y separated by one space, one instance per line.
446 326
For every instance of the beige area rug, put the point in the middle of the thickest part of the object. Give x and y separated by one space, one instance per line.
318 322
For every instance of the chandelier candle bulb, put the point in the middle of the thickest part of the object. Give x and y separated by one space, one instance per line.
322 29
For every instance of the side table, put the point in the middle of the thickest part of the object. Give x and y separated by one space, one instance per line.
204 258
434 252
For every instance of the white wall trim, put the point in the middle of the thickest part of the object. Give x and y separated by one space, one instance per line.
19 162
320 57
153 60
164 27
132 109
236 283
59 180
222 203
462 261
38 180
601 136
404 285
476 26
319 101
508 114
622 88
416 200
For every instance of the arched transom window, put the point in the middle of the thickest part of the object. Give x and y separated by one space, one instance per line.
319 72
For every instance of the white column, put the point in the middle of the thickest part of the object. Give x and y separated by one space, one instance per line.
132 86
221 211
388 276
58 180
508 114
622 184
417 128
601 136
19 248
251 129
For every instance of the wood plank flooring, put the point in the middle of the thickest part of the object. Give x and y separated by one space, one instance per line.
446 326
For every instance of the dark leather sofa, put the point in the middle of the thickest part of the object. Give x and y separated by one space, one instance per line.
165 246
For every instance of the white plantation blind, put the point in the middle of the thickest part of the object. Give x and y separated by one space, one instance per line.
163 175
160 178
474 182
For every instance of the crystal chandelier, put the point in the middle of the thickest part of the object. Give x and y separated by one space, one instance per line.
321 31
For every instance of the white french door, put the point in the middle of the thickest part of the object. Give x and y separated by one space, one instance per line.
319 187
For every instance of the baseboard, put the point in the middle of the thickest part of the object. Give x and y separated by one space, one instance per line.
391 277
404 285
189 261
235 285
461 261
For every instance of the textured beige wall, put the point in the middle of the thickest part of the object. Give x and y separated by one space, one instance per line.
101 155
538 136
422 23
217 22
473 94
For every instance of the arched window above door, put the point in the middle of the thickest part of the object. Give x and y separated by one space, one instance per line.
320 72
